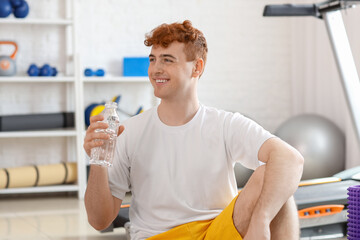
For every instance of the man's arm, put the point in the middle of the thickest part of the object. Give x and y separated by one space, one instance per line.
101 206
284 166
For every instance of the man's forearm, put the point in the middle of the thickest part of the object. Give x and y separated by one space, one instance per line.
282 176
99 202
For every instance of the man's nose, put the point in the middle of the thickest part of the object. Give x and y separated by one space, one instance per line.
158 67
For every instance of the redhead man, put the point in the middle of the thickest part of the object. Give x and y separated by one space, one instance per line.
177 159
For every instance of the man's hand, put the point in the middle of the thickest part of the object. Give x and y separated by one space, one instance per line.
91 134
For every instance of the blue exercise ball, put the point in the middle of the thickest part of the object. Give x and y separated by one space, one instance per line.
319 140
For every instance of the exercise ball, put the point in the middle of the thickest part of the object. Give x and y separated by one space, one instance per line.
319 140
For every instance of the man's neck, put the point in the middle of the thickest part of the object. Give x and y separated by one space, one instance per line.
177 113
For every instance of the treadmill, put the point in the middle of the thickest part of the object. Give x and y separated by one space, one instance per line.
322 203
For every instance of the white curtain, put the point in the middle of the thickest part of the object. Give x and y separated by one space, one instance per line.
316 84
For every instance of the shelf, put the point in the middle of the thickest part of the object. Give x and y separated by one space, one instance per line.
64 20
114 79
27 79
56 188
37 21
39 133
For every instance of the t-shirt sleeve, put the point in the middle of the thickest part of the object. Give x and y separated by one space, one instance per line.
243 139
119 173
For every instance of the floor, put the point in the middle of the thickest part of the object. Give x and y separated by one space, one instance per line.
58 218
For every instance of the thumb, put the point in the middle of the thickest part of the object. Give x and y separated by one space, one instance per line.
121 129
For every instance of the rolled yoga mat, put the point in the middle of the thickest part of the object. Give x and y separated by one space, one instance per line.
41 175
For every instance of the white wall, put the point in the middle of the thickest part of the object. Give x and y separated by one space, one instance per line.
248 69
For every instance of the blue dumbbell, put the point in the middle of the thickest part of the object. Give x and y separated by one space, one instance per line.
89 72
16 3
54 72
21 9
33 70
47 70
5 8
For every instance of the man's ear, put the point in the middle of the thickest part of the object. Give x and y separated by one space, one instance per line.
199 67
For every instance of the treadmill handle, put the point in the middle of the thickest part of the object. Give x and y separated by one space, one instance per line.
290 10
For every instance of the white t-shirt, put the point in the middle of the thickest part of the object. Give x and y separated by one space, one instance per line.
184 173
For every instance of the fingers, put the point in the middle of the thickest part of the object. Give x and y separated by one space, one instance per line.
96 118
93 138
121 129
95 123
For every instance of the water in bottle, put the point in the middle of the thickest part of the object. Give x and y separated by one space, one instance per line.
104 154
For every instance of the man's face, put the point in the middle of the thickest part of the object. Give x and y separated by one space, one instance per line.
170 73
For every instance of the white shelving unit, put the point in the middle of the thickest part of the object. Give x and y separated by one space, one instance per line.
47 133
27 79
116 79
76 85
72 81
23 21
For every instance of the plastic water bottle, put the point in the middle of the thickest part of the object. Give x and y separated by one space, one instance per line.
104 154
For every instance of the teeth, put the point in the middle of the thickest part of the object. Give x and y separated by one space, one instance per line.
160 80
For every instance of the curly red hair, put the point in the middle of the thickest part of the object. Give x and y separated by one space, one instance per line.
165 34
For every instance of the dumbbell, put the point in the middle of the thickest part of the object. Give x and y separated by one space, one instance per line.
20 8
89 72
5 8
45 70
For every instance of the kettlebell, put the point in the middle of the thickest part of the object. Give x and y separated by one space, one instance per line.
7 63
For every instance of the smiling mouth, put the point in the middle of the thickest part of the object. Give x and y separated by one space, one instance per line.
161 80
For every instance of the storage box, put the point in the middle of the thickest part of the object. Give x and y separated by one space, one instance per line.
135 66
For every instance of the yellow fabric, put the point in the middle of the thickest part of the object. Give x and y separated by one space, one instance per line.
221 227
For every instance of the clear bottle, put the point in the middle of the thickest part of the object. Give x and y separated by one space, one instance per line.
104 154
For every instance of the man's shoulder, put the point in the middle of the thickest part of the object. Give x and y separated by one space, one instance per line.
215 115
140 118
213 112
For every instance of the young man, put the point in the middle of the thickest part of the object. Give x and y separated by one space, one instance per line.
177 159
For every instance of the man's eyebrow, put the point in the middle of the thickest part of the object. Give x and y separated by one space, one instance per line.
163 55
167 55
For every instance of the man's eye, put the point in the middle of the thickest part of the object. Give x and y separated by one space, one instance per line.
151 59
167 60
